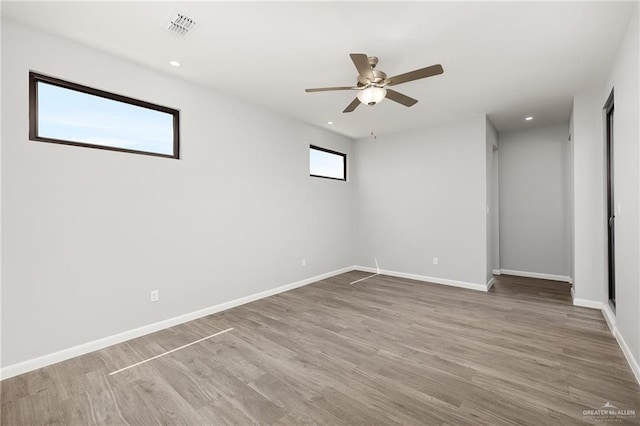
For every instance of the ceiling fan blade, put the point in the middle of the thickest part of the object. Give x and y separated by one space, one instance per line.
415 75
361 61
353 105
328 89
400 98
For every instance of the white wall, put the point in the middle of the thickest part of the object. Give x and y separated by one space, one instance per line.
492 212
1 206
570 209
420 195
589 191
496 209
624 80
533 236
88 233
589 242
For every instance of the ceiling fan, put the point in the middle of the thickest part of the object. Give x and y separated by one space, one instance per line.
373 85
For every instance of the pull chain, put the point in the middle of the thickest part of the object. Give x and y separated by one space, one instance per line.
373 122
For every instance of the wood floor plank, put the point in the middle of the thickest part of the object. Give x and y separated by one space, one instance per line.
383 351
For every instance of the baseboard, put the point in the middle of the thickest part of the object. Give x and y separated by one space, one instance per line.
435 280
53 358
610 318
586 303
627 354
536 275
496 272
490 283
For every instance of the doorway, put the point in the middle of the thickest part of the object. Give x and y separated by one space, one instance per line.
609 132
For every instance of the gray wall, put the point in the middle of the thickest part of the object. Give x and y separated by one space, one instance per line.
420 195
496 209
569 201
88 233
492 211
624 78
590 229
589 243
533 228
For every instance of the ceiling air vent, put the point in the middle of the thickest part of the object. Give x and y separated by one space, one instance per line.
181 24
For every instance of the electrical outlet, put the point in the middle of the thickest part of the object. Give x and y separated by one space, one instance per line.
435 260
304 262
154 296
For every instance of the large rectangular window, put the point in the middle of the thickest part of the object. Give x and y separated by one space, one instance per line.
328 164
71 114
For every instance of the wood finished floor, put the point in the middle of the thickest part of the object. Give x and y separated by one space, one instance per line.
386 351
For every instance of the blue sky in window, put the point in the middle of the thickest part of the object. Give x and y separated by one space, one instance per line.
326 164
80 117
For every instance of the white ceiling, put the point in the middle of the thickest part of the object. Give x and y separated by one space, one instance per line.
506 59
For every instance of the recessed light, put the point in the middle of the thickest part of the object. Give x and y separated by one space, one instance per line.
528 118
329 122
174 63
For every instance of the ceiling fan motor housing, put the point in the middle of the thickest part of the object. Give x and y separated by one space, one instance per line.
378 78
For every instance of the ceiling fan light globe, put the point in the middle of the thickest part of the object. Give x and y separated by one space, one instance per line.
372 95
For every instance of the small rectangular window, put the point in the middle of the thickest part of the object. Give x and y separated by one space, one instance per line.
328 164
71 114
